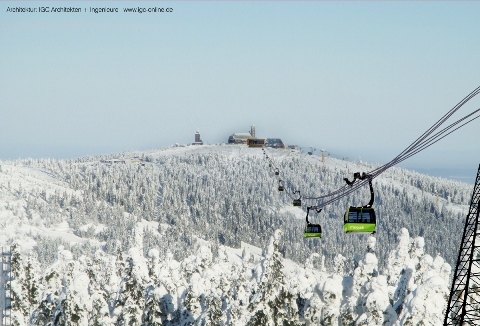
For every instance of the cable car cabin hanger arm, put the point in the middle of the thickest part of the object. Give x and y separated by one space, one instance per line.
364 176
308 211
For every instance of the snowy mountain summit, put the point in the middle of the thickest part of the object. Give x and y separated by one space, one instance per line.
175 237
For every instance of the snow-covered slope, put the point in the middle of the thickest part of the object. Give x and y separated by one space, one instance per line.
223 193
118 211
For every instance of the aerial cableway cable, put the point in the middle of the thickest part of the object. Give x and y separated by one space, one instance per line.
283 181
427 139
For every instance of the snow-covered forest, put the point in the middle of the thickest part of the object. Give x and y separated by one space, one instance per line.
232 288
170 236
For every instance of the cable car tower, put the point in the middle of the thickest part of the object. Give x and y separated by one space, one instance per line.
464 301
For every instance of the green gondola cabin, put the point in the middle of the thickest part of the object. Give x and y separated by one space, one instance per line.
313 231
360 220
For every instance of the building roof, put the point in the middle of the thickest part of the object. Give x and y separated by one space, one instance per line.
241 135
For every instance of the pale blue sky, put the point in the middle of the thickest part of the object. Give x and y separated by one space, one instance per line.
357 78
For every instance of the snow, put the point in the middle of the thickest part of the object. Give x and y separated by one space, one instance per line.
62 232
190 282
296 212
414 284
64 255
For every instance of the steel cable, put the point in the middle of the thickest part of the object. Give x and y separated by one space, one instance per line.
420 144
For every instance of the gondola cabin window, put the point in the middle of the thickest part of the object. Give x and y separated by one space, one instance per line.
313 229
353 216
366 217
361 215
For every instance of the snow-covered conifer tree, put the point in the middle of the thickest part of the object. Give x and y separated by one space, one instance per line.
77 302
152 315
170 289
339 264
305 284
375 303
400 269
25 286
332 295
99 288
273 303
238 295
313 308
426 302
131 301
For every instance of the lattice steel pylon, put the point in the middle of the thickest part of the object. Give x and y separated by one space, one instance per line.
464 302
5 287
